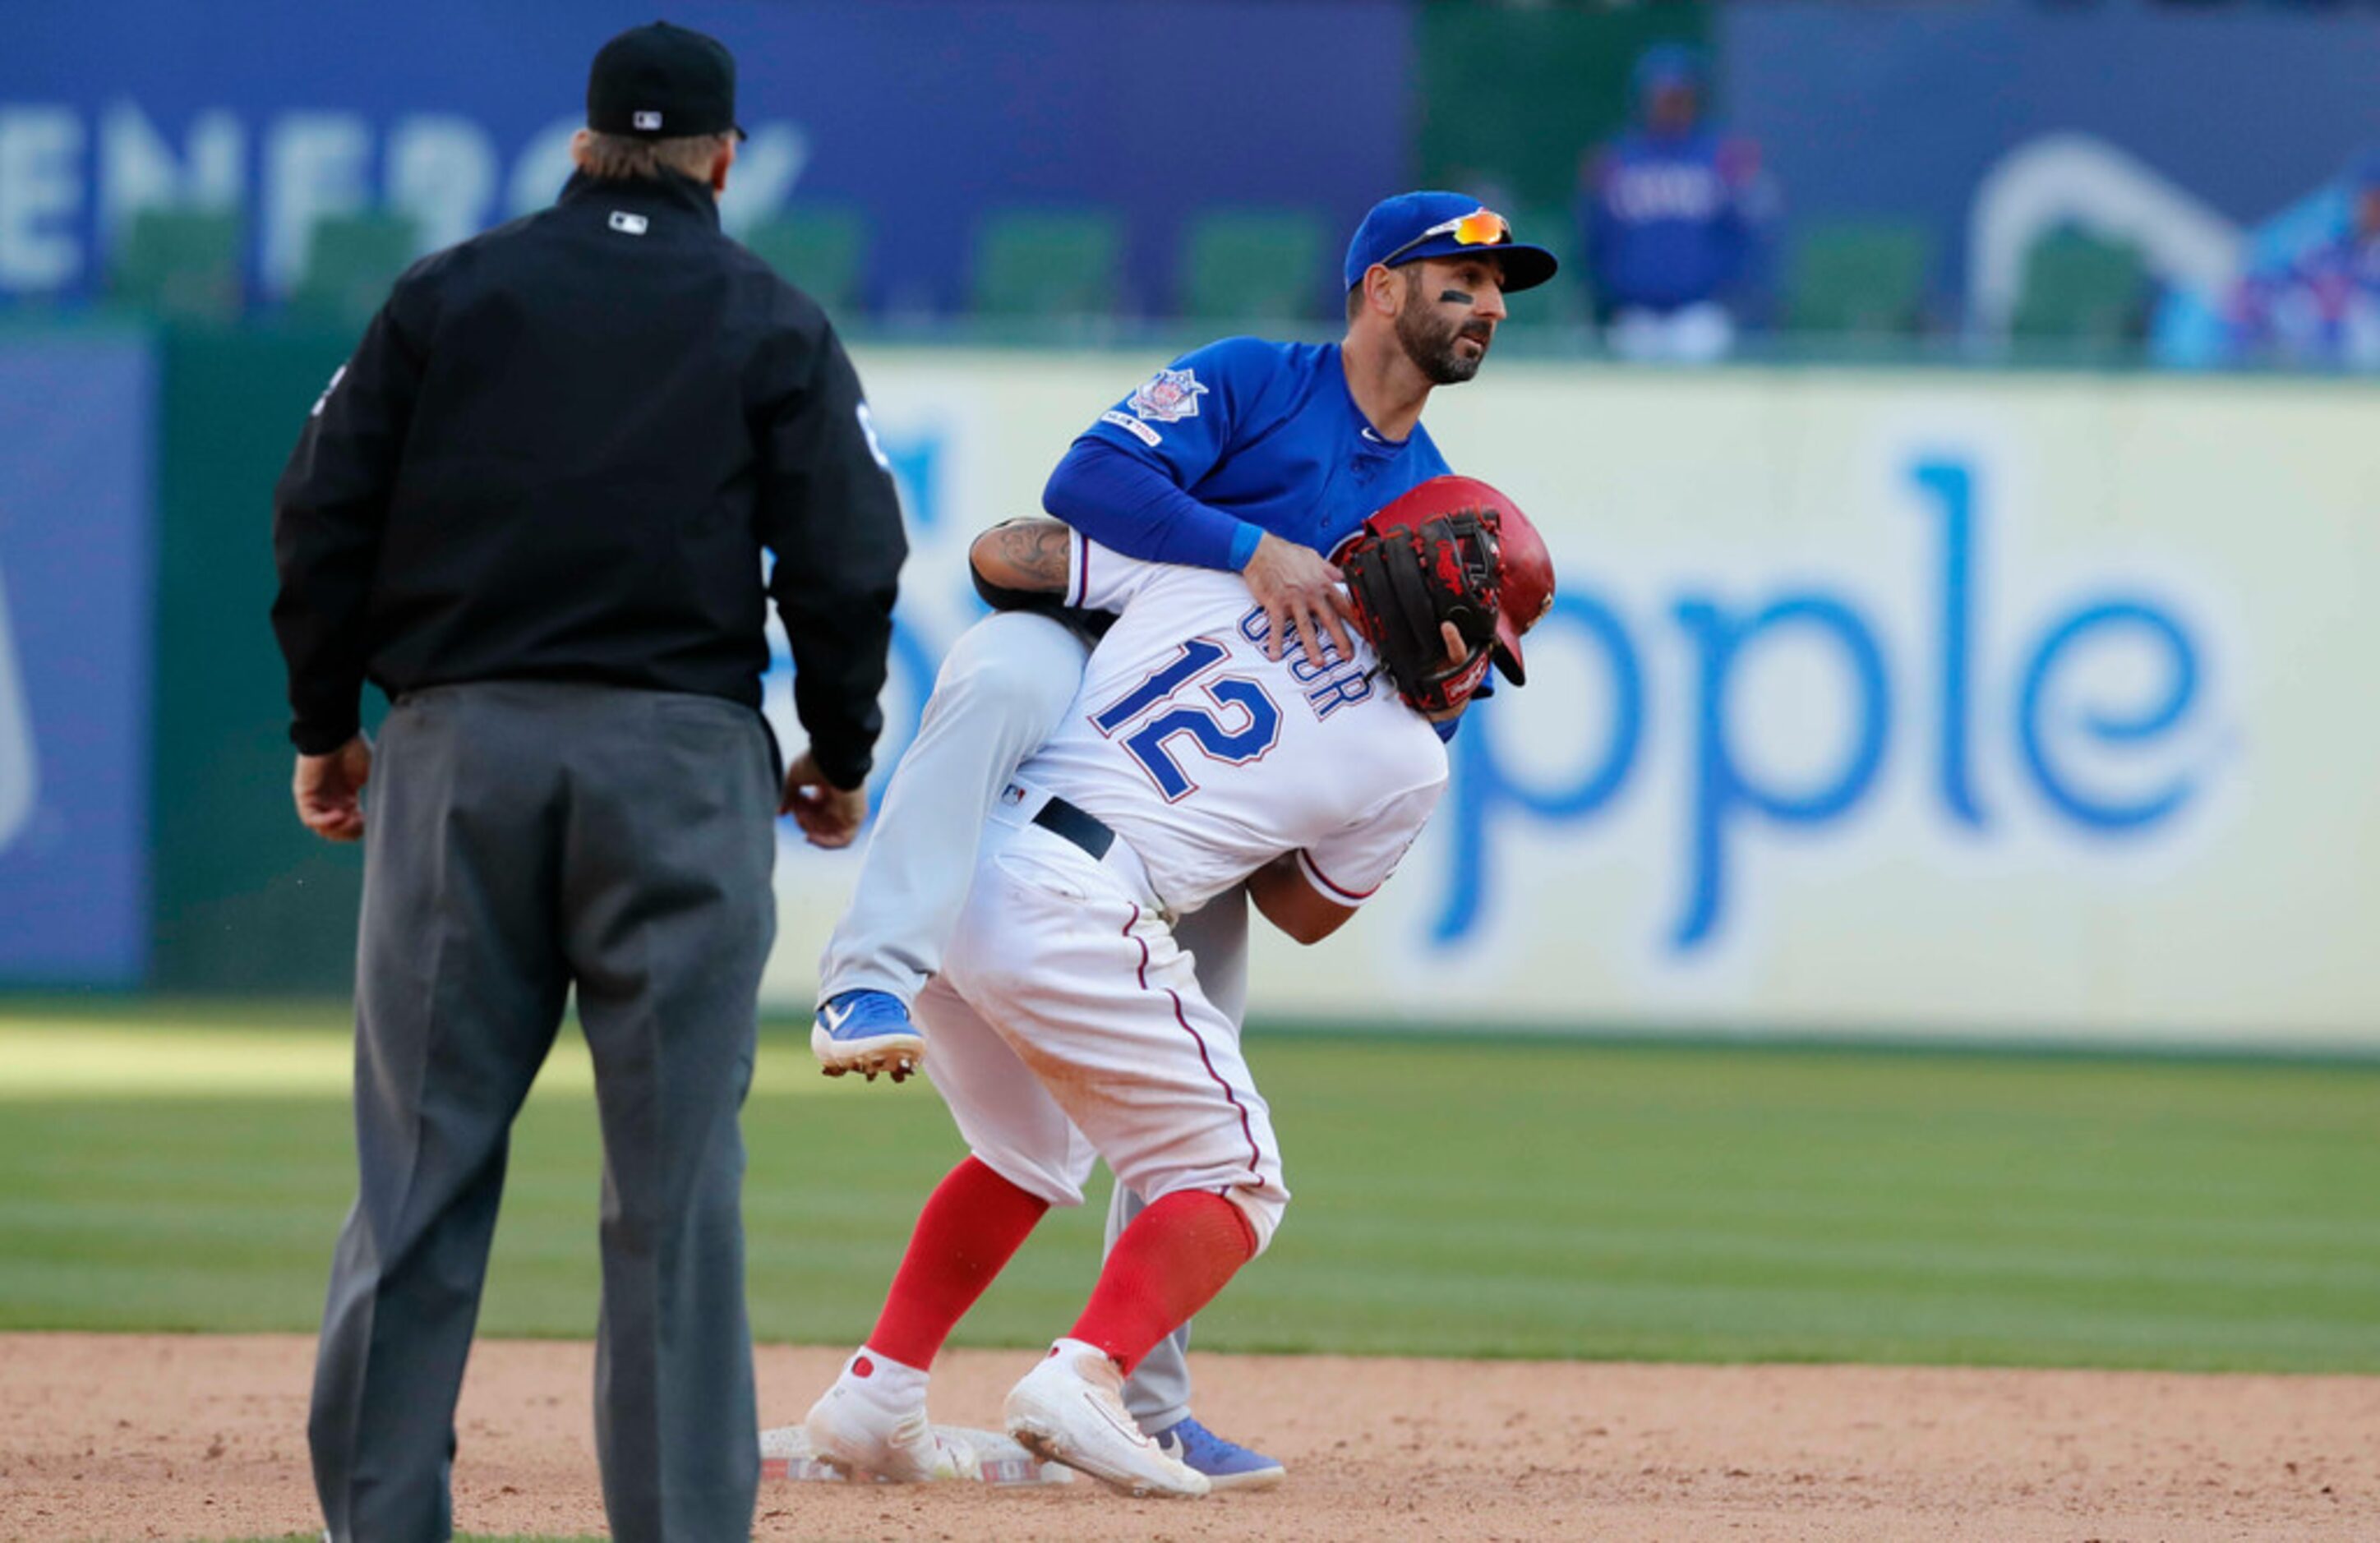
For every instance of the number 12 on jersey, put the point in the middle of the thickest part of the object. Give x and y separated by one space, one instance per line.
1151 742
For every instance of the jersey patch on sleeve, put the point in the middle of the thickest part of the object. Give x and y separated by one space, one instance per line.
1169 397
1131 426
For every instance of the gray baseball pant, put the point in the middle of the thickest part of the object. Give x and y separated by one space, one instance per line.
522 838
1002 689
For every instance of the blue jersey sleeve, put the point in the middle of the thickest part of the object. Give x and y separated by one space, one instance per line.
1125 481
1183 418
1127 505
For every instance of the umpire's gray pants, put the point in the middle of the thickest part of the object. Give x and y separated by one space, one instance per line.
522 837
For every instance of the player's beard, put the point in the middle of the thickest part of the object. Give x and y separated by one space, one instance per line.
1429 339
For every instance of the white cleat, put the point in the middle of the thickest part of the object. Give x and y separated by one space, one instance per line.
856 1430
1070 1409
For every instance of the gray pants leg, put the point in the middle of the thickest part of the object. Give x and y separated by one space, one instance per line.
666 862
1003 688
518 834
1217 937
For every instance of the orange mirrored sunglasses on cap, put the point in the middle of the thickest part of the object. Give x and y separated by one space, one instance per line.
1481 228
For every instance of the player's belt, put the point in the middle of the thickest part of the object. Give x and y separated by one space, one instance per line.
1085 830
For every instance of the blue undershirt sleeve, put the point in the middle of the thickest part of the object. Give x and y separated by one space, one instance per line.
1127 505
1244 544
1486 689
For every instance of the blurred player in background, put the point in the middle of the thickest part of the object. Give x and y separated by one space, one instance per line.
1244 456
532 508
2321 308
1676 218
1201 754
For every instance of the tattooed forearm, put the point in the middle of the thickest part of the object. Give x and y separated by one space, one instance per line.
1030 554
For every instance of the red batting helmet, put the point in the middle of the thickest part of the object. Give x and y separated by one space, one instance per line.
1526 588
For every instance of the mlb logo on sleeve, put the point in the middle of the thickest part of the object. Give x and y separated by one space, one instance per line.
1131 426
1168 397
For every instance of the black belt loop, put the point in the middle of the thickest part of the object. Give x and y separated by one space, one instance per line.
1085 830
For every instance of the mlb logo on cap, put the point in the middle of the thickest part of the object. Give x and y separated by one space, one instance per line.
660 74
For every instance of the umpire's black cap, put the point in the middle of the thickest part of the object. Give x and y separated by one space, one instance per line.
663 82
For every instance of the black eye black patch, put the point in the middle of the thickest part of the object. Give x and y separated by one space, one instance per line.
1455 297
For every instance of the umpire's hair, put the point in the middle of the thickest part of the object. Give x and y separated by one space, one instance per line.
625 158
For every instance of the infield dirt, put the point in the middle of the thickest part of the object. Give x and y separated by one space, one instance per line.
113 1437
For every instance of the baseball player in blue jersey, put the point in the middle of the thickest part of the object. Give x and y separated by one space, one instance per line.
1675 215
2319 306
1247 457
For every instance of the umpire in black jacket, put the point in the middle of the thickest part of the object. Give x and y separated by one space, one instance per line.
531 508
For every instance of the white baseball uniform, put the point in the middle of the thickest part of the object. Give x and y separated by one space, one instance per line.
1003 687
1066 1023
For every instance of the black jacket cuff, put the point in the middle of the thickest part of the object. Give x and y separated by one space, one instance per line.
315 739
845 773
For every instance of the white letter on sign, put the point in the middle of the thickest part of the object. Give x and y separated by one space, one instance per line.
40 189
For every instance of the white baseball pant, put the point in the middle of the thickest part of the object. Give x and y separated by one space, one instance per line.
1067 1025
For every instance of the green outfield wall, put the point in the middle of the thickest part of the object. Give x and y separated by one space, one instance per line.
244 900
1897 700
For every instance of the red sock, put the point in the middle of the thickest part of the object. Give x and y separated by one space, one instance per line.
1169 1263
972 1225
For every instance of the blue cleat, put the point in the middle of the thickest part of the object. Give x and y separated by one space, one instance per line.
1227 1465
866 1031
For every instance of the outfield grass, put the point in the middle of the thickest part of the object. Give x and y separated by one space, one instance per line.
1503 1198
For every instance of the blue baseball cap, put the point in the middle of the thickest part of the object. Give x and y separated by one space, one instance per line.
1410 227
2363 172
1667 64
